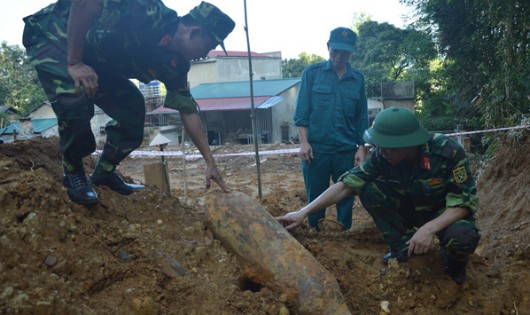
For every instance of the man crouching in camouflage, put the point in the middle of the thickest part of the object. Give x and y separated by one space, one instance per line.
86 51
415 186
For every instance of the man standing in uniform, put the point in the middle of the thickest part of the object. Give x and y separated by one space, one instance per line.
86 51
331 116
414 186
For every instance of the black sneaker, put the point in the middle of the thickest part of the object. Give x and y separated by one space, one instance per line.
401 256
78 188
116 183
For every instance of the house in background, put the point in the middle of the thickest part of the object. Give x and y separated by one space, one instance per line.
398 94
375 105
42 122
218 67
226 110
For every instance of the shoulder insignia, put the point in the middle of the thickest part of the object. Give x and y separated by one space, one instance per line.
460 174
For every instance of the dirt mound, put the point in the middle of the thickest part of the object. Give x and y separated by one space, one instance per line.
505 203
150 253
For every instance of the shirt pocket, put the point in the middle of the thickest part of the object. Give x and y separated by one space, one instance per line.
428 194
351 99
321 96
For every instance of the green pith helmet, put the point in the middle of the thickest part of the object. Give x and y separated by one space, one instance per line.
396 127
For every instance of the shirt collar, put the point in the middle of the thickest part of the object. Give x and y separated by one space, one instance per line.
349 70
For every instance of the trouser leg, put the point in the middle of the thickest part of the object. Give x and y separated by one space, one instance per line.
458 241
393 214
122 101
73 111
316 179
343 162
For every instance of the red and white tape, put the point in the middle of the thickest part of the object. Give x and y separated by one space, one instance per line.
284 151
482 131
195 156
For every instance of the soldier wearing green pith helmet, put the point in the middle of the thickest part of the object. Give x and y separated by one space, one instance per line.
85 52
416 186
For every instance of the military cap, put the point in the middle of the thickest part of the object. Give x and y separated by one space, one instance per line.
342 38
214 20
396 127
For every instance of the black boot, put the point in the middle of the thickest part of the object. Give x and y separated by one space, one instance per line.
78 188
455 266
116 183
457 273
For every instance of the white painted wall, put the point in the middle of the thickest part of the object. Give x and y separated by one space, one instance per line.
234 69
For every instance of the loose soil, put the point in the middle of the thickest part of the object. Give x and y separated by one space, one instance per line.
152 253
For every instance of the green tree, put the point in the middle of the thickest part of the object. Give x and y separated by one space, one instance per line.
486 50
359 18
19 85
292 68
387 53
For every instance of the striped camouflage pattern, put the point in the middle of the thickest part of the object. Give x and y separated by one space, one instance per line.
130 37
401 199
129 40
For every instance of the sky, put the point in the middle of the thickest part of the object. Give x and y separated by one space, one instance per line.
289 26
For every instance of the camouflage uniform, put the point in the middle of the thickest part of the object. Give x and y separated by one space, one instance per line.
402 198
128 40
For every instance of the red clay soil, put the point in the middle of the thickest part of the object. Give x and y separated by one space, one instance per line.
150 253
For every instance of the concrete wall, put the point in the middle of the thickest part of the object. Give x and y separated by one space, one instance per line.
282 114
203 72
234 69
44 111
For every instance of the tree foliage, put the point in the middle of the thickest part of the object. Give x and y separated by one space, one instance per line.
486 51
19 85
387 53
292 68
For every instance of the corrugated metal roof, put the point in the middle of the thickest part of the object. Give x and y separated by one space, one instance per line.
41 124
8 109
237 103
242 88
10 129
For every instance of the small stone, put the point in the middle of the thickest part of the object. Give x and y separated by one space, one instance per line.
181 271
384 307
284 311
124 256
50 261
